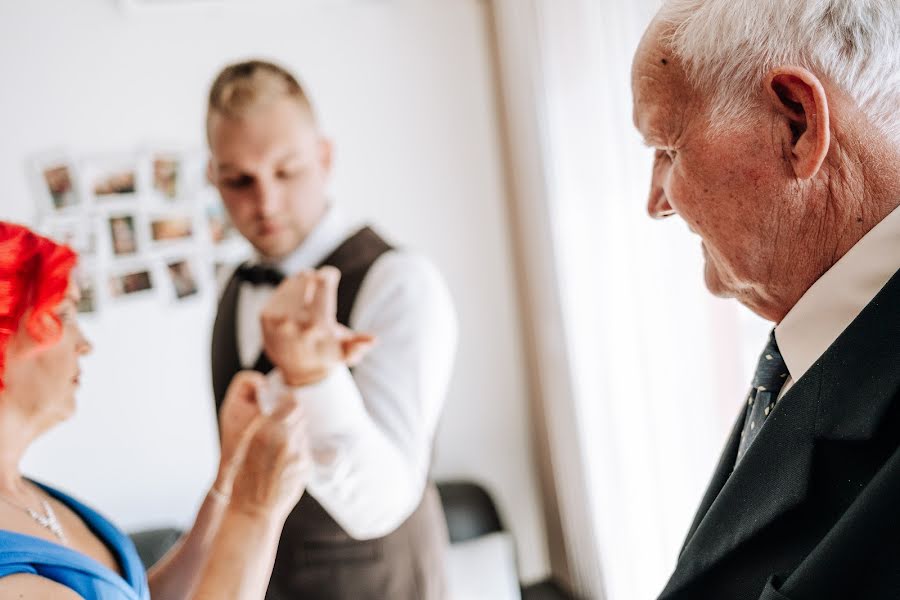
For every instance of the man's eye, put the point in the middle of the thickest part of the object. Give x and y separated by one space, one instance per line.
238 182
666 153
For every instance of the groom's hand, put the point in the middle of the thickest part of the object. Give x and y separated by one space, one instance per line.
301 335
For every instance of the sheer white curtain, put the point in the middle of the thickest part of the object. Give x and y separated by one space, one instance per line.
641 371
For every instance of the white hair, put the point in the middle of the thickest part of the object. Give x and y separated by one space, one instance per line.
730 45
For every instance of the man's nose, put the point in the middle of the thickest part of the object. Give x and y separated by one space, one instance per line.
266 197
658 206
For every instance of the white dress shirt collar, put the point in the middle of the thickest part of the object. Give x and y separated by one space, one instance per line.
331 230
839 296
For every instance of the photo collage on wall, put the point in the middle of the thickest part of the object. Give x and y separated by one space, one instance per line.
144 224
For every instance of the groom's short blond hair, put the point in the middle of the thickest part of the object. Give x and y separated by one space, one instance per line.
242 87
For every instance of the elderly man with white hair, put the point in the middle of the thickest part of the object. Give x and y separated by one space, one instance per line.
776 125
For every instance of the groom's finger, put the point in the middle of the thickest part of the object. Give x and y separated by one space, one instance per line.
324 304
356 347
307 280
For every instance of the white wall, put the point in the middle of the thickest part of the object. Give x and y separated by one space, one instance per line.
404 88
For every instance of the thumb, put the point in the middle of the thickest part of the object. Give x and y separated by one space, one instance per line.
356 347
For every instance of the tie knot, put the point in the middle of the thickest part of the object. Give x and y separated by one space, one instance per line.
259 275
771 370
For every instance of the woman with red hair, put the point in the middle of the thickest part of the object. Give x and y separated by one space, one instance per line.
51 545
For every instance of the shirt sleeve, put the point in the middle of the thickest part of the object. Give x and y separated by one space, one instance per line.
372 431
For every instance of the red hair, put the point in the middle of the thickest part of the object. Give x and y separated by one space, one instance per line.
34 274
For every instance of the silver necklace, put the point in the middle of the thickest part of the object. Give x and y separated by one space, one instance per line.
47 520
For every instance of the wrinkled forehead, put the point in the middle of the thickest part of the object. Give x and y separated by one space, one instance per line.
658 81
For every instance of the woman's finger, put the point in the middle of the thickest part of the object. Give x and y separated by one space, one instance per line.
248 379
245 387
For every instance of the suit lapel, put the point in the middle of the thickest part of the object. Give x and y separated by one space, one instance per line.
225 358
756 493
861 385
720 476
843 396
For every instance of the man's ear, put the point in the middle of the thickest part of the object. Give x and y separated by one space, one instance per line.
801 105
326 154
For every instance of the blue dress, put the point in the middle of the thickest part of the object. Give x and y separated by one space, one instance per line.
21 553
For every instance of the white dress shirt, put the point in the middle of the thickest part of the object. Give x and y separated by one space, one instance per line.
838 297
371 431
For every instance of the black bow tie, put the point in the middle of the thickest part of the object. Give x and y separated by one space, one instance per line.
259 275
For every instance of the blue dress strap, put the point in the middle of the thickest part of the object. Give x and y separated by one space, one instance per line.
13 568
21 553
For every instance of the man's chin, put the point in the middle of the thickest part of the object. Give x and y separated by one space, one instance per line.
714 282
274 246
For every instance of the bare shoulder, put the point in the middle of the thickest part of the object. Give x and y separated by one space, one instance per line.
34 587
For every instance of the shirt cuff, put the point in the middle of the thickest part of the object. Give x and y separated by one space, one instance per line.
335 415
332 406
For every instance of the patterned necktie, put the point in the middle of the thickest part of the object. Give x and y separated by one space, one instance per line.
259 275
771 374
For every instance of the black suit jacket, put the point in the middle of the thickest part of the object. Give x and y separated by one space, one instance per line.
812 512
